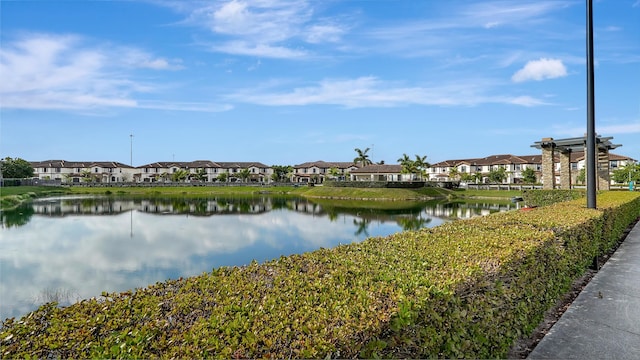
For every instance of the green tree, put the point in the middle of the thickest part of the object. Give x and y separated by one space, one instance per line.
421 165
281 172
86 175
408 165
498 175
529 175
334 173
582 176
15 168
631 172
468 177
201 174
244 174
223 177
362 158
454 173
179 175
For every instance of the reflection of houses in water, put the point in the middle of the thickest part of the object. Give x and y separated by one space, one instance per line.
466 210
205 207
304 206
62 207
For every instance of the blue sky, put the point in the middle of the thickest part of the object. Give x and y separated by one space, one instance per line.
289 81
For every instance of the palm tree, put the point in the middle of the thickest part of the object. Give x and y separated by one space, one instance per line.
244 174
421 164
408 165
454 173
362 158
334 173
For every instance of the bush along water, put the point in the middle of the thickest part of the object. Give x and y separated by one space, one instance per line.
464 289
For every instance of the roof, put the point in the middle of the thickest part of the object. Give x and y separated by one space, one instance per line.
576 143
78 164
378 169
327 165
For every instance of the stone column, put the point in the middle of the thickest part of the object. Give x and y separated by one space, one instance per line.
548 172
565 169
604 179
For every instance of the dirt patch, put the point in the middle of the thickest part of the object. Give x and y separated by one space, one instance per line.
523 347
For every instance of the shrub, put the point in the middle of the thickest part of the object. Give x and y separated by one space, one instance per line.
464 289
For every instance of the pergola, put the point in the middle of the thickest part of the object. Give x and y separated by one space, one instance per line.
565 147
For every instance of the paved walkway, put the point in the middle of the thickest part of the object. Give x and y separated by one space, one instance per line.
603 322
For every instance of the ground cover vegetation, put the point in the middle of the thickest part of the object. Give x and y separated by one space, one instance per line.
464 289
11 196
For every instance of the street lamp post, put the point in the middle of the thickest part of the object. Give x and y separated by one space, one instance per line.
131 151
591 133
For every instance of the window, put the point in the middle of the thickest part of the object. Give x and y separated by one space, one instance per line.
613 164
156 170
463 169
58 170
146 170
314 170
538 167
44 169
518 167
96 170
574 166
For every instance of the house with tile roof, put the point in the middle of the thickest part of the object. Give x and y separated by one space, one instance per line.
381 172
319 171
211 170
81 171
514 166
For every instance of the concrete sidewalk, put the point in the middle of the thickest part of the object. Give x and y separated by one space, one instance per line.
603 322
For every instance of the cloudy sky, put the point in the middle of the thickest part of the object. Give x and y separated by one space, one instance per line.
289 81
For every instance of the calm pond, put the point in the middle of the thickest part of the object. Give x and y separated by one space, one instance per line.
68 248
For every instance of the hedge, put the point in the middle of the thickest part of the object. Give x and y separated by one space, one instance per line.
535 198
464 289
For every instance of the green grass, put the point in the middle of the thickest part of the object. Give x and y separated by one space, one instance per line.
11 196
38 190
487 193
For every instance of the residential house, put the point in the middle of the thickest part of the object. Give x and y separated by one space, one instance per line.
514 166
209 170
80 171
258 172
380 172
318 171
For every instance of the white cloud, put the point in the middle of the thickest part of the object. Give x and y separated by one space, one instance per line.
369 91
259 50
265 28
527 101
540 70
62 72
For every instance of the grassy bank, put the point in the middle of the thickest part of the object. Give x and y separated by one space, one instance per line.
11 196
465 289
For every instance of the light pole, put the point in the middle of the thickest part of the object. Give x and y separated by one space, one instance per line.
131 151
591 133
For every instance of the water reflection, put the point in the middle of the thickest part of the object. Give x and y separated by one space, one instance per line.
65 249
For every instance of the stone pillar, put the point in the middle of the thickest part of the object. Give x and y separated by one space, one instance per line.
565 169
604 179
548 171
